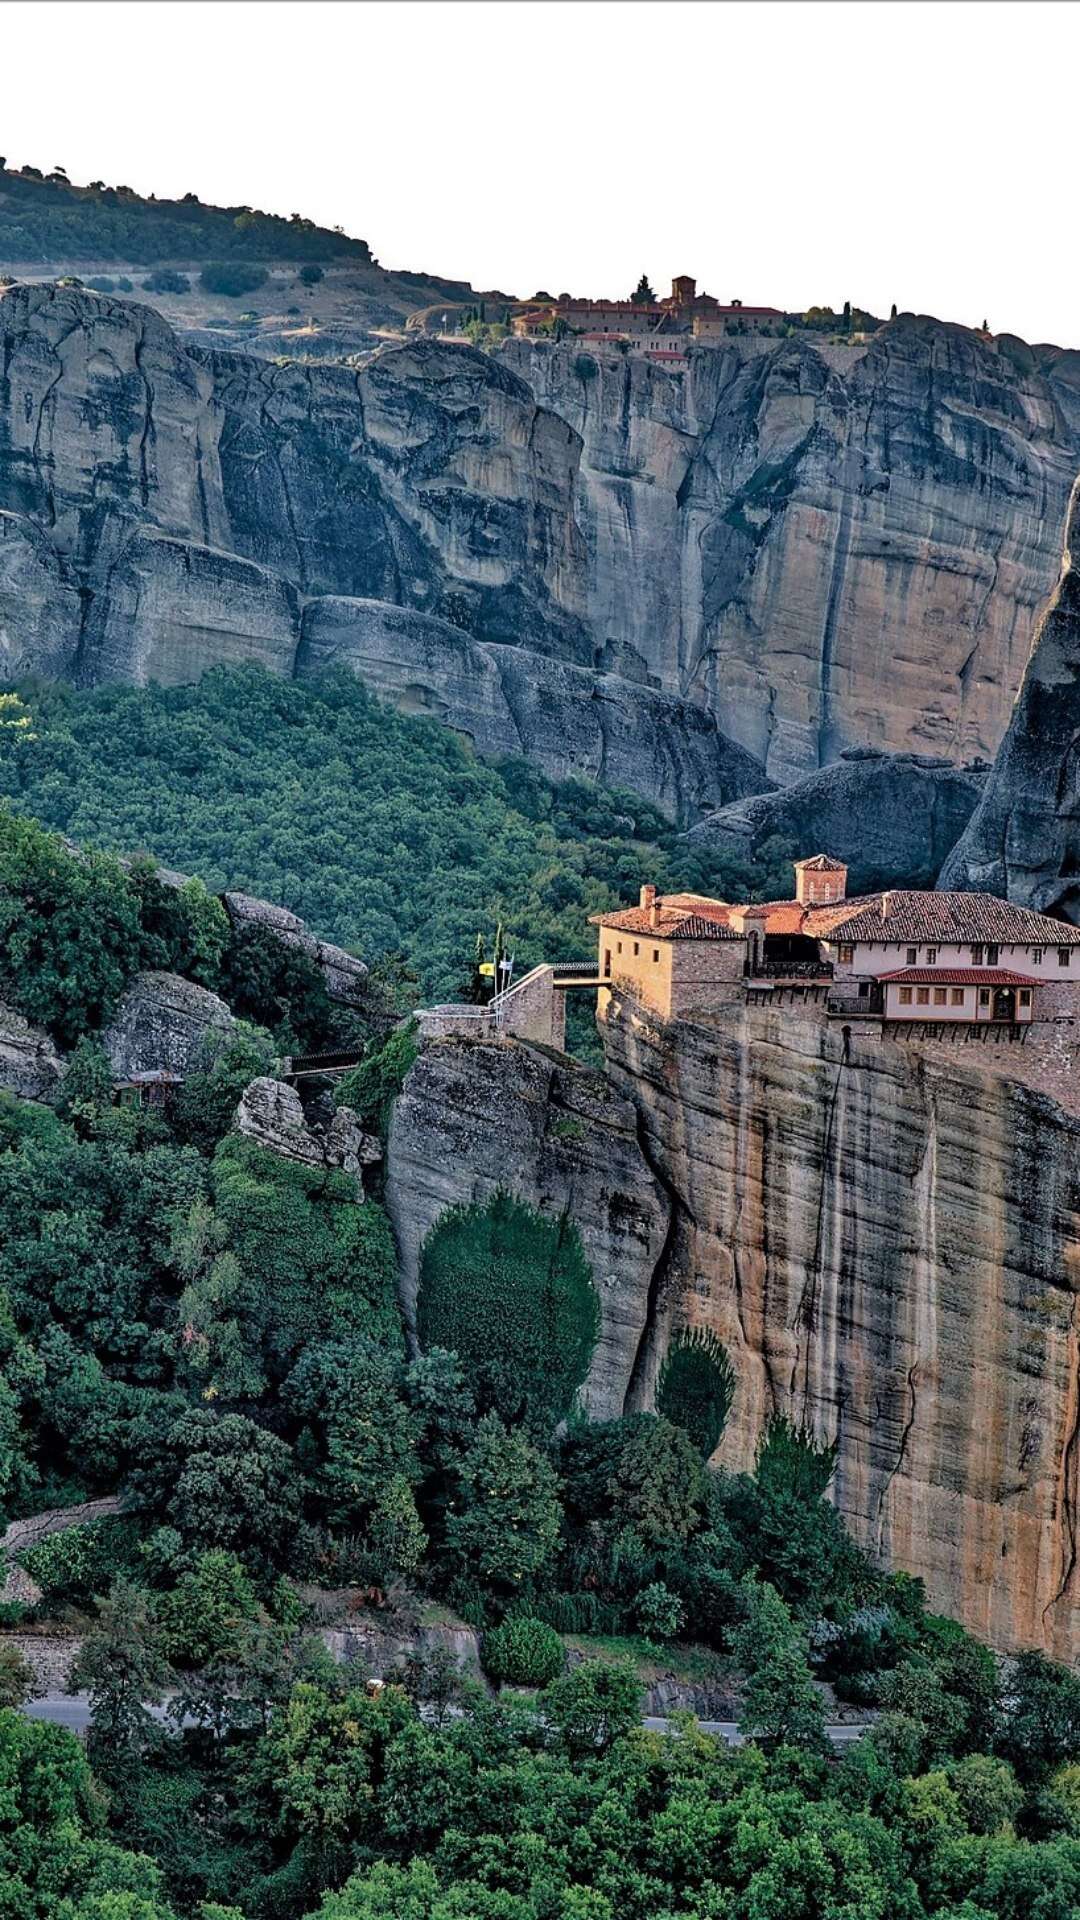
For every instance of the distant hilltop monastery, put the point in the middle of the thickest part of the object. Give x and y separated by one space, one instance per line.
685 315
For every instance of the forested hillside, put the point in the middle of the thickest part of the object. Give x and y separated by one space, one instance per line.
385 833
47 217
210 1330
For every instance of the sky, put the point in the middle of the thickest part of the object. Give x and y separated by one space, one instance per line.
785 154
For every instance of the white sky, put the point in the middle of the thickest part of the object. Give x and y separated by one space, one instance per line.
784 153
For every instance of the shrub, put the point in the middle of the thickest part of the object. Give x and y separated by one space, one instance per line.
231 277
523 1652
100 283
166 280
696 1387
510 1292
310 276
371 1088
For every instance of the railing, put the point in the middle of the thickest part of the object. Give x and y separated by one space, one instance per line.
843 1000
791 970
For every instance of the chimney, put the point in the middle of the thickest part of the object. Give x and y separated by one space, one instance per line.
648 897
885 899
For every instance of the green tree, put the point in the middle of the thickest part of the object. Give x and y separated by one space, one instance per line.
1040 1728
643 295
639 1473
523 1652
69 931
121 1666
224 1482
593 1705
781 1705
17 1680
503 1525
204 1614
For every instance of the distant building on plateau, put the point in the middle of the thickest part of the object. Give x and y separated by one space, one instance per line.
684 313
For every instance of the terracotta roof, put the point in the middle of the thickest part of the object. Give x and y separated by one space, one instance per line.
957 977
675 924
820 863
959 918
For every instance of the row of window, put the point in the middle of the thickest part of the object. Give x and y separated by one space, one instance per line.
637 954
981 956
942 996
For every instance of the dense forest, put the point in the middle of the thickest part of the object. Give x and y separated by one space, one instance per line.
384 832
211 1331
46 217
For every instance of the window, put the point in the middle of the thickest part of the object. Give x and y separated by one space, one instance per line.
958 996
637 948
940 996
912 956
1063 956
922 995
847 956
656 956
931 956
1025 996
976 956
905 996
618 946
1036 956
984 996
864 989
992 956
607 963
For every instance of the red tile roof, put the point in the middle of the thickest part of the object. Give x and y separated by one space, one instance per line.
820 863
670 924
957 977
959 918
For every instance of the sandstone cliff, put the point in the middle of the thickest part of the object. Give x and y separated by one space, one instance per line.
474 1117
792 546
1024 838
827 546
885 1235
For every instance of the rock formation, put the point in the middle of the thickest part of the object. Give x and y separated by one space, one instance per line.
160 1024
344 974
793 546
884 1234
30 1066
892 816
270 1113
474 1117
511 700
1024 838
827 546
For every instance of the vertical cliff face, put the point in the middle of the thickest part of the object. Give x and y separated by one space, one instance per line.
474 1117
827 546
1024 837
887 1239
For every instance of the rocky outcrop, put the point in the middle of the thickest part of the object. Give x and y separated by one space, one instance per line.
30 1066
1024 839
160 1024
345 976
884 1234
270 1113
813 547
173 609
510 700
825 546
893 817
40 609
473 1117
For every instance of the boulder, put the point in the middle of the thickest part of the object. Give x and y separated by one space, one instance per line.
892 816
159 1025
346 977
244 910
270 1113
30 1065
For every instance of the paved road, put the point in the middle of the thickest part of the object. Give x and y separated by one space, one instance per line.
72 1710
